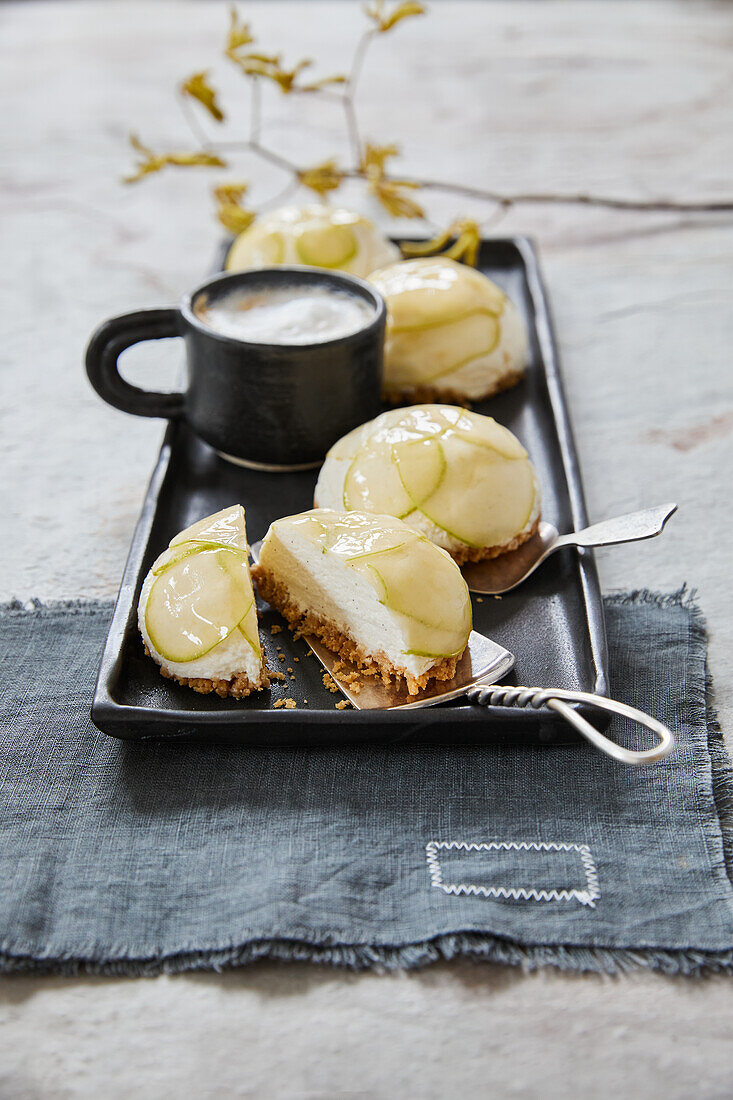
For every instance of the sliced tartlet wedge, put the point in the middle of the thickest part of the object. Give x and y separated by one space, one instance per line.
372 589
197 613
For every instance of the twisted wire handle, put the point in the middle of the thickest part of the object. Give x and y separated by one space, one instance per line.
505 695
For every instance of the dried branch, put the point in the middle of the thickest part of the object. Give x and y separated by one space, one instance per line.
150 162
368 159
546 198
386 20
230 211
255 111
322 178
198 87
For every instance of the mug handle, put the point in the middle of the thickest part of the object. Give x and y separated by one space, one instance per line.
105 348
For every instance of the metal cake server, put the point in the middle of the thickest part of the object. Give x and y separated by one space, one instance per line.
499 575
482 664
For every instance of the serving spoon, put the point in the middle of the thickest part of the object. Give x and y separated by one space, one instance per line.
498 575
482 664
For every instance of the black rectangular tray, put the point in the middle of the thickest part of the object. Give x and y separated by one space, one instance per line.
553 623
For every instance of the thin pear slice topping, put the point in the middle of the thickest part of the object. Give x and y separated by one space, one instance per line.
485 432
428 594
316 234
247 627
446 319
372 554
201 590
222 529
425 326
373 484
429 603
326 245
197 603
271 248
354 536
174 554
462 471
238 570
258 246
429 292
429 354
485 501
421 467
225 527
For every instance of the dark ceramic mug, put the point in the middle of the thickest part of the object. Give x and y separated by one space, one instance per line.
270 406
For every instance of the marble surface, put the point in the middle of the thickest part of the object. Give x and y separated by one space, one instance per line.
627 100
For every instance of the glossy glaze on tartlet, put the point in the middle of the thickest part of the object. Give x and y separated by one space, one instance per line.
197 613
371 589
456 476
315 235
452 334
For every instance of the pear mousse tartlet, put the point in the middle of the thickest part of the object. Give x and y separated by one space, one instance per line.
372 589
452 334
314 235
455 476
197 612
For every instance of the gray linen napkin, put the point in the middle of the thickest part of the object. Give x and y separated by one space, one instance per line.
139 858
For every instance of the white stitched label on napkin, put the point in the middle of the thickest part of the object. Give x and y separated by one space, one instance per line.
516 870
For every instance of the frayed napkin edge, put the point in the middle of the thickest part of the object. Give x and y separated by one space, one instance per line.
478 947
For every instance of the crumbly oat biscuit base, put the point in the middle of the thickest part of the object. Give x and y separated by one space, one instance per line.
302 621
238 687
427 395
